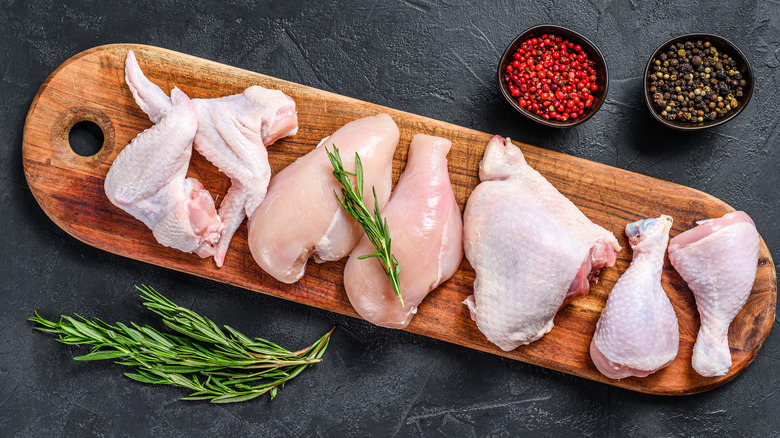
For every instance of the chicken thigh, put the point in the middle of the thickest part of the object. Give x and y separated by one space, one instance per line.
300 216
718 259
233 133
637 333
426 228
531 248
148 180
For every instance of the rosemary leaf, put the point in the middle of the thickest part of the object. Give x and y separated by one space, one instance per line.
141 378
101 355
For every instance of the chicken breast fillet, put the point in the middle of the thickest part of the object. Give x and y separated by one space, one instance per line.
637 333
718 259
531 248
426 230
300 216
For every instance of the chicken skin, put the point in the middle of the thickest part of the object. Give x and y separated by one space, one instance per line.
232 133
531 248
637 333
148 180
718 259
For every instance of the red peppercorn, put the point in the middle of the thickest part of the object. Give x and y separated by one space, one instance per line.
552 77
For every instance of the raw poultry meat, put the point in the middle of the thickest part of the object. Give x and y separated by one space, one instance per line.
301 218
148 180
427 230
531 248
637 333
718 259
232 133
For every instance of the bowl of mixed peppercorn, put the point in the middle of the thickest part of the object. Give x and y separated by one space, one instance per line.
553 76
697 81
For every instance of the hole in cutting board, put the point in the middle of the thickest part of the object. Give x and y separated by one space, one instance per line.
86 138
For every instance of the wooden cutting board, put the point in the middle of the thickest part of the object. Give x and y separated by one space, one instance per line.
90 86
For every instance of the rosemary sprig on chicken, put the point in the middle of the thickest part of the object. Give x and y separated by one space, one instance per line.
375 226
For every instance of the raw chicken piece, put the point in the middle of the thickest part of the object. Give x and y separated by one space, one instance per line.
637 333
718 259
300 217
148 180
426 231
232 134
531 248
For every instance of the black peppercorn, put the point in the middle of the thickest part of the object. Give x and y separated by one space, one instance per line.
692 81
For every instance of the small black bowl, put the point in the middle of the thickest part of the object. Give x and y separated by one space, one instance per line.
724 46
594 54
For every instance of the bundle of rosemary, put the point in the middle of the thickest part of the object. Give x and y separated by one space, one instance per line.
214 365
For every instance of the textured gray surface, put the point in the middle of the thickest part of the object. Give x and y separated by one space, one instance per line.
436 59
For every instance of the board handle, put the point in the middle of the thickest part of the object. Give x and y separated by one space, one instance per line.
62 152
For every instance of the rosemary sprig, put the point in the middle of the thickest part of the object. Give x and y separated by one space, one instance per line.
375 227
214 365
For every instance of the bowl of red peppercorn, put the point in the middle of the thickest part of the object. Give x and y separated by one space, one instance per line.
554 76
697 81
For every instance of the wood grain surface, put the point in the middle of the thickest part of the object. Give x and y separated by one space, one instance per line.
69 188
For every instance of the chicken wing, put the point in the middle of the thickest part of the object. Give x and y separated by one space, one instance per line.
233 133
148 180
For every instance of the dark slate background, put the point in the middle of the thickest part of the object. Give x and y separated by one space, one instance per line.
437 59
